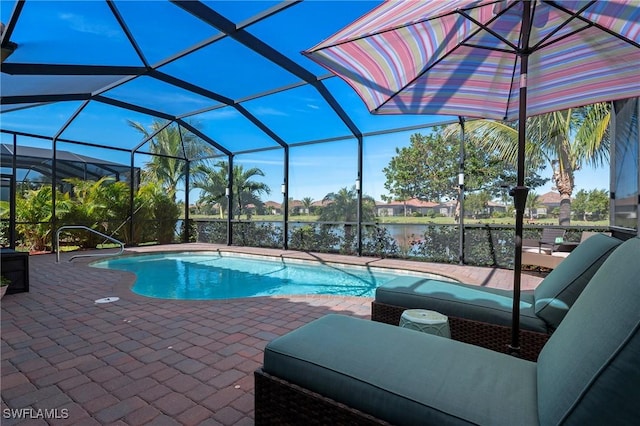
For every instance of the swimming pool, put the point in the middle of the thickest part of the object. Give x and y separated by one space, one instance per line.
209 275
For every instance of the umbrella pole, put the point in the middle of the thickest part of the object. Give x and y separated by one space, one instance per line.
461 193
520 191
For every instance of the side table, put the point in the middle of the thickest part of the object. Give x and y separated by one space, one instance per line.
431 322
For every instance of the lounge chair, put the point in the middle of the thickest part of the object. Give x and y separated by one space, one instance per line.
344 370
550 240
482 316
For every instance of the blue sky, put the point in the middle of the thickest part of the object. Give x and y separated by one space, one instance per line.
92 36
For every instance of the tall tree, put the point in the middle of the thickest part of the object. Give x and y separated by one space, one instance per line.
592 204
565 140
477 202
428 168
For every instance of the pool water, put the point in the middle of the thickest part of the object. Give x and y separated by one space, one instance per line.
204 276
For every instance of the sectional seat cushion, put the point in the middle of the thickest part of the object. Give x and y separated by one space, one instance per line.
405 376
559 290
588 372
460 300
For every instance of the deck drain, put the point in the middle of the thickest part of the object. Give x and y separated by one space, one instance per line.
108 300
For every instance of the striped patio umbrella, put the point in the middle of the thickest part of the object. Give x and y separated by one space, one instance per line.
503 60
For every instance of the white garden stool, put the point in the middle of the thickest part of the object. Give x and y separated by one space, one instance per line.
431 322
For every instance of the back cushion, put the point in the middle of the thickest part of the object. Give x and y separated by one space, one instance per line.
560 289
588 372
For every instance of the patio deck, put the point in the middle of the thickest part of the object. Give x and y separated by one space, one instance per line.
141 360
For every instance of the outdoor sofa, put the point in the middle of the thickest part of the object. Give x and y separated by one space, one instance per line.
345 370
482 316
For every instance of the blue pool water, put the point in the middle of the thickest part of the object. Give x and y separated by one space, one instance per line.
203 276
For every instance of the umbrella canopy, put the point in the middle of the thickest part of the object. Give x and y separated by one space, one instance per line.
503 60
463 57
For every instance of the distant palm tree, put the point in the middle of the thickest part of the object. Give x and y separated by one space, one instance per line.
213 182
343 206
566 140
532 203
306 203
247 190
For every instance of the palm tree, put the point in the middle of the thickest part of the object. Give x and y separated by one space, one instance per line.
566 140
343 206
173 148
306 203
533 201
213 183
34 214
248 191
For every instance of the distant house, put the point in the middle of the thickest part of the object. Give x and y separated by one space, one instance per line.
547 202
273 208
448 209
250 209
317 206
296 207
493 206
411 206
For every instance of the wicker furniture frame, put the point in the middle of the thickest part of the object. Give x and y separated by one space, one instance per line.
490 336
280 402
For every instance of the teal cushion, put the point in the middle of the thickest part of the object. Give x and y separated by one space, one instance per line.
589 370
560 289
460 300
405 376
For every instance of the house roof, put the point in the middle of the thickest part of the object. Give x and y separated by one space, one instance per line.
413 202
550 198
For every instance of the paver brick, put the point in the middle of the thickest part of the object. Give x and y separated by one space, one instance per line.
226 378
189 366
73 382
182 383
119 410
100 403
136 387
104 374
194 415
87 392
228 415
173 404
56 377
142 415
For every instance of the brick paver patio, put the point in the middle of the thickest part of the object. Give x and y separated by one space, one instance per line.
148 361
